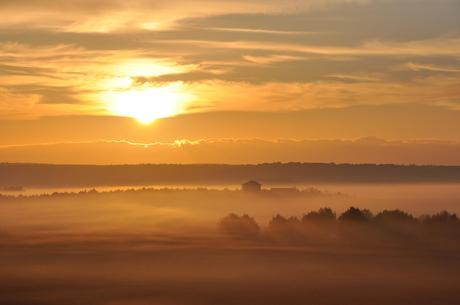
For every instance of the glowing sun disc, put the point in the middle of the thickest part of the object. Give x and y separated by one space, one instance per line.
146 104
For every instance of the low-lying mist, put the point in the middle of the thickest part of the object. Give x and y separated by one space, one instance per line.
223 246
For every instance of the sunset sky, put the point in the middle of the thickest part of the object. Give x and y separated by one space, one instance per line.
134 81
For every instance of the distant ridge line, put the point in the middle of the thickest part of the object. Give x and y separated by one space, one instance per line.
45 175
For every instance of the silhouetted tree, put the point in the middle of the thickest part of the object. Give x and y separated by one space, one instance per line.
323 214
441 218
278 220
239 226
395 216
356 215
285 229
293 220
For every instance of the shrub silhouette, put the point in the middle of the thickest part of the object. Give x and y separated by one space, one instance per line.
395 216
240 226
280 221
323 214
356 215
388 226
277 221
285 229
443 217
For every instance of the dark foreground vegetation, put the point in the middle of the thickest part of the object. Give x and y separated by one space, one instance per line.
46 175
353 226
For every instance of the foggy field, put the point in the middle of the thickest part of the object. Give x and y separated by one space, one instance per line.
128 206
165 247
207 271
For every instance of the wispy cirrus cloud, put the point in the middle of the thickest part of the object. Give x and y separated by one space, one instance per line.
423 48
105 16
65 56
433 68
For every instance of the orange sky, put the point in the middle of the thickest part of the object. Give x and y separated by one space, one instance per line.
218 70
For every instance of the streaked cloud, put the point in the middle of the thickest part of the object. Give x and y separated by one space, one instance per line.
269 59
234 151
408 121
119 15
64 57
434 68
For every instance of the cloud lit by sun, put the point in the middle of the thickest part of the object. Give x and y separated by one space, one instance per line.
153 59
147 67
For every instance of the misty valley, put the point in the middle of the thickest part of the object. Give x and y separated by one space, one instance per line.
229 152
367 244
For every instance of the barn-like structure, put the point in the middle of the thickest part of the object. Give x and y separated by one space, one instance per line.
251 187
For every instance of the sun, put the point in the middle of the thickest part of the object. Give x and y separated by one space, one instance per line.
122 95
146 103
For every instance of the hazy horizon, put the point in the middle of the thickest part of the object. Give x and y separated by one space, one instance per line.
229 152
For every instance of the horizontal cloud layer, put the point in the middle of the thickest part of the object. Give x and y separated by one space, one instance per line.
365 150
62 57
397 122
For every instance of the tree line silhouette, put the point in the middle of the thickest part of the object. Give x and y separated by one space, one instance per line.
353 225
49 175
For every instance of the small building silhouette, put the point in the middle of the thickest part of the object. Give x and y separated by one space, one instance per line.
251 187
